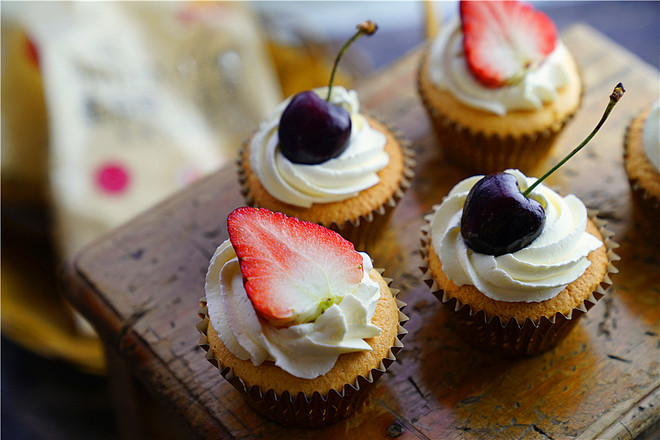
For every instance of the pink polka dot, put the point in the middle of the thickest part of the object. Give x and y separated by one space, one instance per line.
112 178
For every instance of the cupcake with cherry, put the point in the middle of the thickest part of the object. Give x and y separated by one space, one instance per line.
317 157
641 159
515 263
296 319
498 86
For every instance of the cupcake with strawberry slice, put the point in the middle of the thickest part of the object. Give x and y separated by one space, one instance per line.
296 319
498 86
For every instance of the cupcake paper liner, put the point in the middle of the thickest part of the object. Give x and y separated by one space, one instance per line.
487 153
646 206
513 338
300 410
363 231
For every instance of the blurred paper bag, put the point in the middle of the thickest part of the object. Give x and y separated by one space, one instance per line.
142 98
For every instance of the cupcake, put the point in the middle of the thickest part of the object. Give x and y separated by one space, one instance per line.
642 162
519 291
318 158
498 86
296 320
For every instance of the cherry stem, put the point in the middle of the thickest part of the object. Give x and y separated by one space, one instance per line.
614 98
366 27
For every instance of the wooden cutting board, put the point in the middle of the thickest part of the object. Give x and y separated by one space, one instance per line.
140 286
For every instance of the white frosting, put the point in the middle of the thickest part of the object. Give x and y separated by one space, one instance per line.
651 136
448 69
334 180
305 350
535 273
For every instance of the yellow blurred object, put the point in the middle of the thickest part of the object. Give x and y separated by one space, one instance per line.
24 119
431 22
305 66
35 316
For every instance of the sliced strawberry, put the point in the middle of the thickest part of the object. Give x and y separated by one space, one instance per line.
504 39
292 270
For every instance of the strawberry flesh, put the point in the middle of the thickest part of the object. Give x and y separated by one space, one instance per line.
292 270
504 39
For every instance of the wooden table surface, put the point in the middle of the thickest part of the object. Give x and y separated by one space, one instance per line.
140 286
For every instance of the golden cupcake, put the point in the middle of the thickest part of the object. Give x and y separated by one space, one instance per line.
510 299
499 86
518 263
642 163
297 320
318 158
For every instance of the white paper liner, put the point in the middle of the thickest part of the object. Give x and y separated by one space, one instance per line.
300 410
511 337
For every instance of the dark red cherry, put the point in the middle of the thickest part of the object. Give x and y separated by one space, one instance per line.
313 130
497 218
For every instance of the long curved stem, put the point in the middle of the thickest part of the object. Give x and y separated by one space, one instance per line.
614 98
366 27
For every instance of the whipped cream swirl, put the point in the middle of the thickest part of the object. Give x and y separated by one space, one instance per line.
535 273
334 180
305 350
651 136
448 69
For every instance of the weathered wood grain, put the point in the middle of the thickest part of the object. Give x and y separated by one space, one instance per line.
140 286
